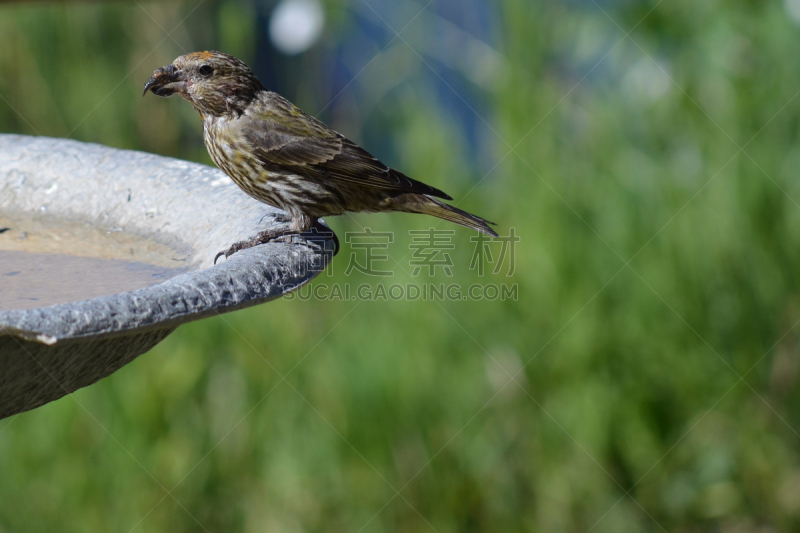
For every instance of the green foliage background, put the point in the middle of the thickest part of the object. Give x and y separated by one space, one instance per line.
645 379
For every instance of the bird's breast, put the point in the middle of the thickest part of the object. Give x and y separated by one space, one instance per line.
230 152
233 155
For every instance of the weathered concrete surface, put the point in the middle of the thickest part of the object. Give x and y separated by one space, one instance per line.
196 210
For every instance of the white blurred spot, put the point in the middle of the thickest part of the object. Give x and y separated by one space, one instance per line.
793 10
295 25
647 80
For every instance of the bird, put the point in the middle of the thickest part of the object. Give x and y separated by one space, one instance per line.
286 158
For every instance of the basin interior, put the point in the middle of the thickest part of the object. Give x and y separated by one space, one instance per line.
47 260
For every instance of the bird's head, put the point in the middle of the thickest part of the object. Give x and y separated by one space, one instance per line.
215 83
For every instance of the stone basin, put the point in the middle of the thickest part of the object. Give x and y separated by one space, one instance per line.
104 252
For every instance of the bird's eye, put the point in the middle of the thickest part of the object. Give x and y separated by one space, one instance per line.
206 70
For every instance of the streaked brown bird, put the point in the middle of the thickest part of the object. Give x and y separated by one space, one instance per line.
286 158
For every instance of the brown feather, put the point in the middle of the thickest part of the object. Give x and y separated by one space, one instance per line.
289 141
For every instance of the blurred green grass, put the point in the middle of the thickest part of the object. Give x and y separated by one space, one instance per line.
653 184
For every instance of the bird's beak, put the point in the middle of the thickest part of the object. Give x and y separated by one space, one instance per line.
166 81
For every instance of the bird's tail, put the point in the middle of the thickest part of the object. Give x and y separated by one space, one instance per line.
422 203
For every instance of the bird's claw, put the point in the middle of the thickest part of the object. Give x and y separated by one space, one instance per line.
261 238
236 247
218 255
229 252
316 233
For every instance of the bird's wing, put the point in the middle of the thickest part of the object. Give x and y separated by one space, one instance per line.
287 140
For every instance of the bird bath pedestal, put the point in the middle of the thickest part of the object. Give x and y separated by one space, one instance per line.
104 252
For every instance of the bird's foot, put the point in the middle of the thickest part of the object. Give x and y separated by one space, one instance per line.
261 238
317 235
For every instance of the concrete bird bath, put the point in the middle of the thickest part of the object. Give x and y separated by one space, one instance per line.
104 252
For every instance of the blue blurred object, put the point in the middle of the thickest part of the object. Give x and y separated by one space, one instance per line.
456 58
